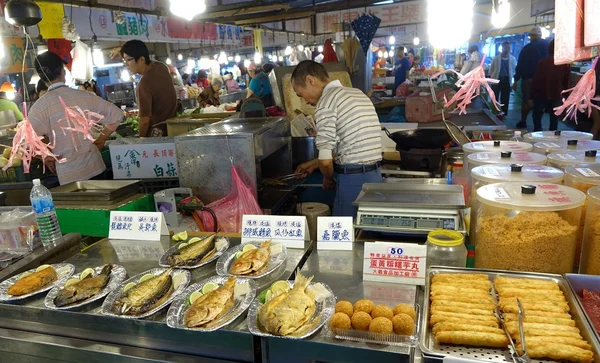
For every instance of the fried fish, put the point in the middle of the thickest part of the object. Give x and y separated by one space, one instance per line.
83 289
211 306
252 261
146 295
194 253
33 282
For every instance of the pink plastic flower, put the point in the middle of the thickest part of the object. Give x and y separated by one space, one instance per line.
581 96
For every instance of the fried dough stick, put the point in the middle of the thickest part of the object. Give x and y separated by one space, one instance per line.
470 338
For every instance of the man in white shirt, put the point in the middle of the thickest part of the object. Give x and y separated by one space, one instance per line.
503 69
348 131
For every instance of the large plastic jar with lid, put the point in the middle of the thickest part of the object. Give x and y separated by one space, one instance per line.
590 251
564 159
493 146
548 147
446 248
527 227
553 136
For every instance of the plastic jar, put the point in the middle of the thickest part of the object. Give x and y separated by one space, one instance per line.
495 146
554 136
590 251
527 227
446 248
564 159
548 147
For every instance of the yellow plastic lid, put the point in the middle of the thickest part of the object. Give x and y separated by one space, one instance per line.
445 238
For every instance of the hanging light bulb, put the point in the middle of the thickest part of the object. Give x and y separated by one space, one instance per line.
280 58
386 54
125 76
204 63
301 48
416 40
168 61
180 56
187 9
288 50
443 32
42 49
501 14
320 49
222 58
257 57
392 39
98 57
247 63
238 58
392 48
230 59
380 54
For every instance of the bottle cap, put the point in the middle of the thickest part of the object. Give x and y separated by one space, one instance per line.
496 143
36 182
571 142
516 167
505 154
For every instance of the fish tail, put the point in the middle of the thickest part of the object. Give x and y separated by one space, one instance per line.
266 244
106 269
301 282
230 283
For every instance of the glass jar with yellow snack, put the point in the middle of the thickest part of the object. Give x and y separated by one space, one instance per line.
527 227
590 250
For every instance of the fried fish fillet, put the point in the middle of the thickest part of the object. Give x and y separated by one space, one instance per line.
525 283
471 284
452 290
33 282
483 299
472 338
512 307
439 319
443 316
517 292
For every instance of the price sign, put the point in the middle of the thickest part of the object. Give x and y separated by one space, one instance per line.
402 263
335 233
291 231
132 251
143 226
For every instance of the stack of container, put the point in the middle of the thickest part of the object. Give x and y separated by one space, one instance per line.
564 159
548 147
556 136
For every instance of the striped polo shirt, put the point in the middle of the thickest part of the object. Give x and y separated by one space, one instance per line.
348 128
44 115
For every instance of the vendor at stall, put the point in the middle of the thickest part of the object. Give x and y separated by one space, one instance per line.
348 132
82 158
261 87
10 106
210 95
155 93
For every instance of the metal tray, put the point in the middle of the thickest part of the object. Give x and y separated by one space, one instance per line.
433 352
63 270
576 284
226 260
117 275
95 190
116 293
323 312
222 248
176 314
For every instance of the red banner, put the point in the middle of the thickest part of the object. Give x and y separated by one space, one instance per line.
184 30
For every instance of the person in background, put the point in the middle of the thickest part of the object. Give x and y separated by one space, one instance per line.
156 96
252 72
231 84
474 60
348 135
186 79
202 80
530 55
41 88
261 87
83 160
503 69
460 62
210 95
548 82
8 105
402 68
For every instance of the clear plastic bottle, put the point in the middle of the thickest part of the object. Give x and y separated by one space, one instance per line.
43 207
517 137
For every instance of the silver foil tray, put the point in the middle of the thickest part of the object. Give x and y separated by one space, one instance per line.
433 352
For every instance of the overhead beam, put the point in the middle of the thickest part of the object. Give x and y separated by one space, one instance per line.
247 10
271 18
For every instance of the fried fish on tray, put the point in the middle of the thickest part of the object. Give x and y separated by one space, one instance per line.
253 261
194 253
145 295
212 306
33 282
83 289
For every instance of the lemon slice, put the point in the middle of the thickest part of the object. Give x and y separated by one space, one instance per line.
87 272
181 236
42 267
24 274
72 281
238 254
128 286
276 249
262 297
177 280
248 247
242 289
268 296
194 240
146 277
181 245
209 286
280 287
194 296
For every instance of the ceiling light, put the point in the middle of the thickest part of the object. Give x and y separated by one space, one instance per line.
392 47
22 13
545 32
288 50
179 56
320 49
449 23
280 58
238 58
501 14
204 63
386 54
98 57
301 48
247 63
41 49
187 9
380 54
230 59
169 61
257 57
125 76
35 78
392 39
222 58
416 40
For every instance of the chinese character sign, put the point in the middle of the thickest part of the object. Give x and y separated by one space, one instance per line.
289 230
395 262
335 233
144 226
51 24
13 55
134 161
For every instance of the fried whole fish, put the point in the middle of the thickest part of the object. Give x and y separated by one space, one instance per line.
252 261
193 253
287 313
212 306
83 289
34 282
145 295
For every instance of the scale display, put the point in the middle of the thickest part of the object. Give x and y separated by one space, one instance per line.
428 223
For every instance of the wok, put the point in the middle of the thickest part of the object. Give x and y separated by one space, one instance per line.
419 138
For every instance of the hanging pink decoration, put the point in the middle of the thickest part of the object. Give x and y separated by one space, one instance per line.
581 96
27 145
80 121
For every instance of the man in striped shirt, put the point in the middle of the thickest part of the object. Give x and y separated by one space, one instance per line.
348 132
83 160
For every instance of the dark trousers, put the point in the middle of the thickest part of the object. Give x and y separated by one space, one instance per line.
502 93
540 106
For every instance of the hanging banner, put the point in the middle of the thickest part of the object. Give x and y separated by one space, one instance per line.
13 56
62 47
258 47
51 24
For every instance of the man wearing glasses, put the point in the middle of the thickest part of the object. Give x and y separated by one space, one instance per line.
156 96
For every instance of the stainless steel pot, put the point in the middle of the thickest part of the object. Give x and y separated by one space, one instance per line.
303 149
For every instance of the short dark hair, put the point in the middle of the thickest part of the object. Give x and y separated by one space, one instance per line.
309 68
41 86
473 48
136 49
201 74
551 47
267 67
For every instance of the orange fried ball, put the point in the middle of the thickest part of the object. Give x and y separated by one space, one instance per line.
364 305
381 325
405 309
344 307
382 311
361 320
403 324
339 321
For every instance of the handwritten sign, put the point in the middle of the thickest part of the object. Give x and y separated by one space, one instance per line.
13 55
402 263
335 233
142 226
131 251
51 24
139 160
291 231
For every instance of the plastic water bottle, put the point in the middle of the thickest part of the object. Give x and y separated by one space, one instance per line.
517 137
43 207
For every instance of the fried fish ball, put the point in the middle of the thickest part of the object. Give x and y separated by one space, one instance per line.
533 283
560 340
405 309
438 319
509 317
403 324
458 309
364 305
472 338
361 320
344 307
486 306
340 321
381 325
558 352
450 326
382 311
442 316
486 299
453 277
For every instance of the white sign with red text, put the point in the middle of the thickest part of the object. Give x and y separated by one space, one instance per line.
402 263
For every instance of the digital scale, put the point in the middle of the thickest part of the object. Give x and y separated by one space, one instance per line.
410 208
